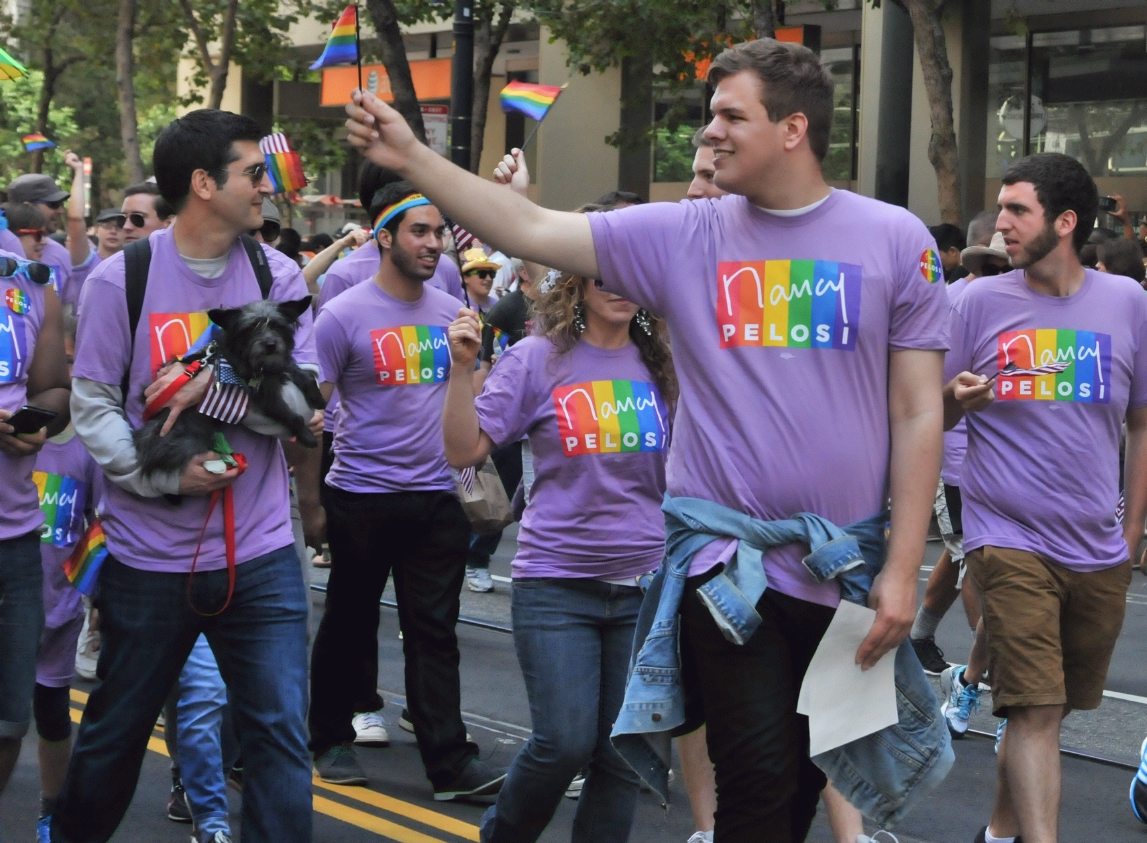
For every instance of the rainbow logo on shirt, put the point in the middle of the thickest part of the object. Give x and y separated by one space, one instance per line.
930 266
13 347
411 354
62 502
1086 379
173 335
17 300
788 303
610 417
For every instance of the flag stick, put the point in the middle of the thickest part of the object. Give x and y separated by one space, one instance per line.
357 48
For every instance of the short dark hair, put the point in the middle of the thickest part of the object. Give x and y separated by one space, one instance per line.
320 241
1089 255
982 227
792 80
948 236
289 243
1123 257
371 179
619 197
1061 184
163 208
699 139
396 191
24 215
199 140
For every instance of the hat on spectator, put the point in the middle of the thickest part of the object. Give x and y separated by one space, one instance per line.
107 215
476 259
33 188
270 212
973 257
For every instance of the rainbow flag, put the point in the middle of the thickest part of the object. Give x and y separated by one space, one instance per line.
82 568
10 68
342 46
36 141
284 165
534 101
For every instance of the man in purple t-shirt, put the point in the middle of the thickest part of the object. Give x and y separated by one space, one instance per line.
392 506
1047 363
808 329
247 593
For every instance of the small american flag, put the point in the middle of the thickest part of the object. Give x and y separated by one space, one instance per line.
226 399
1013 371
462 237
466 478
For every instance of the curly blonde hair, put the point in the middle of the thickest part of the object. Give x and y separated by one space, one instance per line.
556 310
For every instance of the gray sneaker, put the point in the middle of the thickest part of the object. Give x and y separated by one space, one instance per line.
476 779
478 579
338 765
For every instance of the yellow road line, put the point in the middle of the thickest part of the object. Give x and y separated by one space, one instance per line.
353 816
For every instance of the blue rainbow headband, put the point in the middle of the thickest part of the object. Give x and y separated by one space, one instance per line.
391 211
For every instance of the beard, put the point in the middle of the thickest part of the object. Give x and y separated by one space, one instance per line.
1038 249
407 263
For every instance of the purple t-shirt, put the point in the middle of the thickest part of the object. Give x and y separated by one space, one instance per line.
65 479
150 533
80 275
956 439
781 328
362 264
598 431
1042 469
10 243
390 361
21 317
60 259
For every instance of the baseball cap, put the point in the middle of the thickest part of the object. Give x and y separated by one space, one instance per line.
107 215
34 187
270 212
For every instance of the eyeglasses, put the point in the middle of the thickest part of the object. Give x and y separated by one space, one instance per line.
255 173
270 231
485 274
137 219
37 273
36 234
56 205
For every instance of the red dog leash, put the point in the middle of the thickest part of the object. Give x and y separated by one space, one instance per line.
228 495
168 392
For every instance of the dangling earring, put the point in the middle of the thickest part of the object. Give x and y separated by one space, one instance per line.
644 321
579 317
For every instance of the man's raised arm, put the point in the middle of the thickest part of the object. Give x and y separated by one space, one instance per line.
496 216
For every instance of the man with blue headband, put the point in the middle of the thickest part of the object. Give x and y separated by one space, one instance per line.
391 505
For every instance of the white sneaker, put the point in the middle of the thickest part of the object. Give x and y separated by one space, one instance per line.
478 579
87 651
573 789
701 837
369 729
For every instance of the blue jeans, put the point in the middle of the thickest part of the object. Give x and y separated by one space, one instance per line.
148 629
21 623
573 638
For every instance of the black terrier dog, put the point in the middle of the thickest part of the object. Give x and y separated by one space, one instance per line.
257 341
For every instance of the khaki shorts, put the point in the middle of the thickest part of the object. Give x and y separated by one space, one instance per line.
1051 631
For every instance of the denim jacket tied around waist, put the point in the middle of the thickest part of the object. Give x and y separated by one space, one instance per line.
883 774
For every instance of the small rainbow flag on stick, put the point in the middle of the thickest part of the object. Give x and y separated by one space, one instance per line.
82 568
534 101
284 165
342 46
36 141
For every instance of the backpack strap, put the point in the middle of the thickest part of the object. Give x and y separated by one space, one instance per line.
137 261
258 263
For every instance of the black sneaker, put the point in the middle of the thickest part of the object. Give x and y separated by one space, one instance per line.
476 779
338 765
177 808
931 657
983 831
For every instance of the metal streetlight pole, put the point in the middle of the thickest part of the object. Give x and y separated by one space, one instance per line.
462 83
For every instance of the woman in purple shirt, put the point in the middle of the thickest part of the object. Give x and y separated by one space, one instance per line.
592 390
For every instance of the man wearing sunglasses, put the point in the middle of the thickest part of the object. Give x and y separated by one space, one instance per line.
209 168
43 192
143 211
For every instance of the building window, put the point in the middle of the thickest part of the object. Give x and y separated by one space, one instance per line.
673 148
843 65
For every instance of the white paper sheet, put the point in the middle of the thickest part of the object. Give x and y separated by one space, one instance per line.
843 702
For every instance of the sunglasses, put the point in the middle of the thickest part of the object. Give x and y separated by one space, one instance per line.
37 273
137 219
485 274
255 173
36 234
270 231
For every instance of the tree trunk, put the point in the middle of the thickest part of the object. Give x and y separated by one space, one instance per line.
764 23
43 108
219 77
124 72
385 19
928 30
634 155
488 36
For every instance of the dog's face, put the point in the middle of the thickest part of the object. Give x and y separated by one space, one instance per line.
260 336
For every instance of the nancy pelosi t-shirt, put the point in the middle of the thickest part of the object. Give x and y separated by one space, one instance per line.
598 430
1042 468
781 330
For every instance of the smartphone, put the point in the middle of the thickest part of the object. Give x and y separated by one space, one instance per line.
1107 204
29 419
